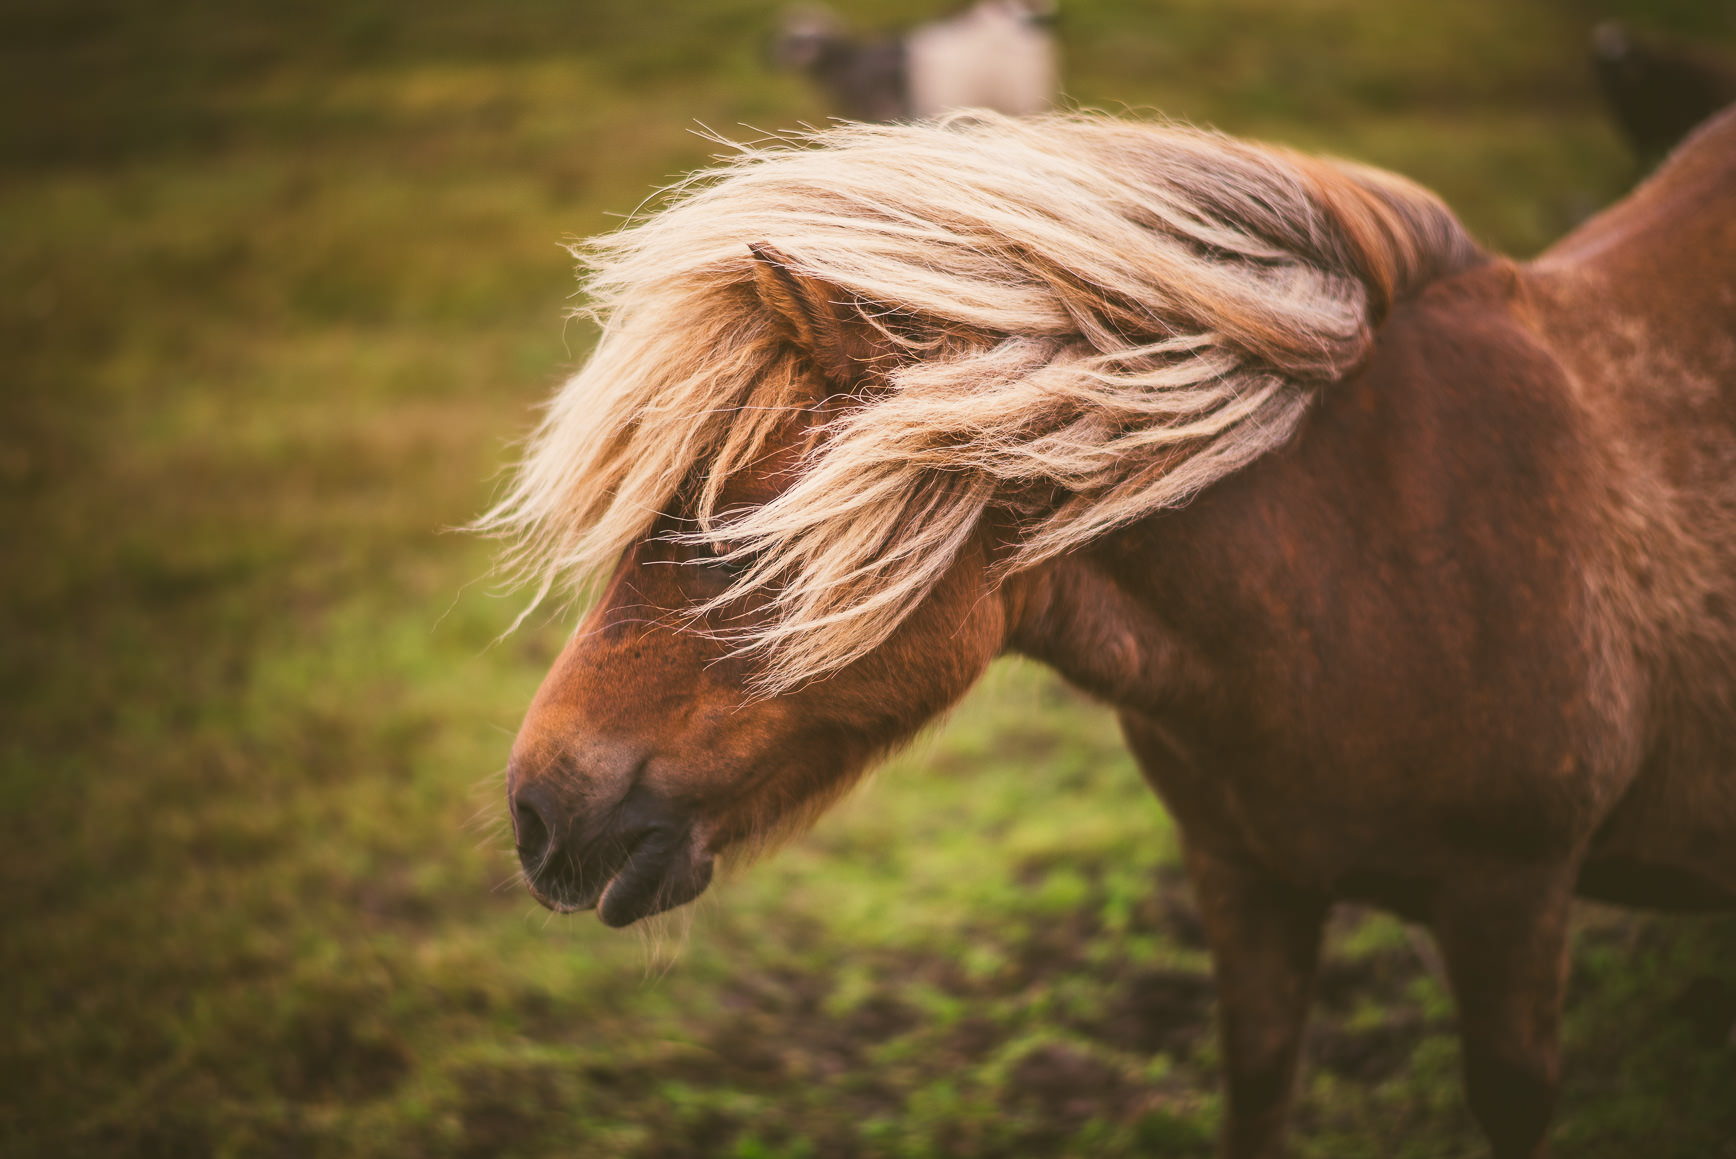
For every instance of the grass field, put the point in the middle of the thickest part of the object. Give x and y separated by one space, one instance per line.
278 285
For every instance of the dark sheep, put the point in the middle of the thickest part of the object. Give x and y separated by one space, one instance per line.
864 77
997 54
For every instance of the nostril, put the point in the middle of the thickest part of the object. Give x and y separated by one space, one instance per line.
532 828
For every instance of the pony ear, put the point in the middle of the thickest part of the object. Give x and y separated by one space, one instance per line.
813 314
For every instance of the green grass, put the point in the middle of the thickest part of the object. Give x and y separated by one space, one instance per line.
278 285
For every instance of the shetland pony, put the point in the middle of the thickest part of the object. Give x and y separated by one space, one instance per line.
1410 570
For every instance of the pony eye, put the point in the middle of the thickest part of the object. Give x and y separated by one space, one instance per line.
716 556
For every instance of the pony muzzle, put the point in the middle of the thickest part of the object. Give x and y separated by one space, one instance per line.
642 858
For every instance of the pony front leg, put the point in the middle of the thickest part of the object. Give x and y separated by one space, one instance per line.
1265 942
1503 934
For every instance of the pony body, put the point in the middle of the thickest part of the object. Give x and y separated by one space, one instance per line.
1408 570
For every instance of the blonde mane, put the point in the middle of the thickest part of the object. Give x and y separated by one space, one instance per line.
1093 319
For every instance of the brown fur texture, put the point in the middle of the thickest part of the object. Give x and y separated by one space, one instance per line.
1462 643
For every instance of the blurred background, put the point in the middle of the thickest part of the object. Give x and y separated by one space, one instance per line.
279 284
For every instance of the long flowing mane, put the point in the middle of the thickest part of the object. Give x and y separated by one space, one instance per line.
1092 319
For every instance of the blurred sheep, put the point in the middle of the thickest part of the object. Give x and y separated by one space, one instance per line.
997 54
1657 91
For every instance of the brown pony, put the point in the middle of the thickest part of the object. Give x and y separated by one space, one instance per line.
1410 570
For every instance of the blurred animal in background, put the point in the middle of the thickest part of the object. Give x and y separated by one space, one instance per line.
1658 91
997 54
866 79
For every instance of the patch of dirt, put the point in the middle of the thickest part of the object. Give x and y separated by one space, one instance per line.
1056 948
701 1136
973 1037
1169 910
1061 1088
1161 1011
1384 976
880 1017
776 1032
505 1109
751 1050
331 1054
1368 1054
